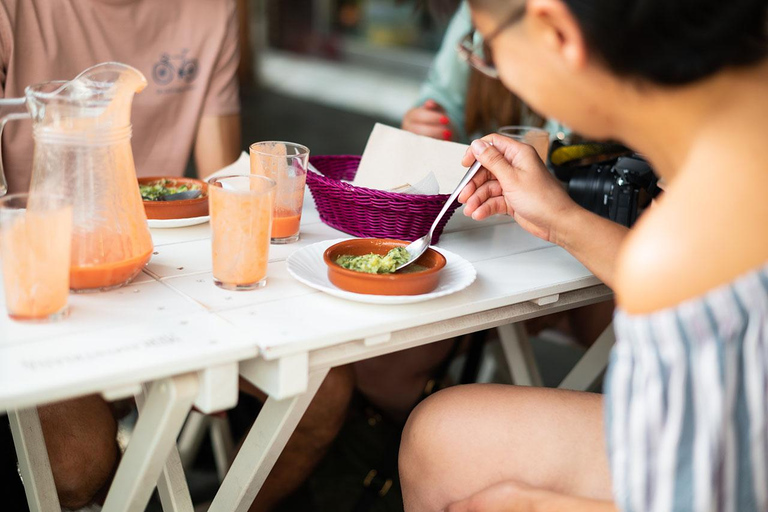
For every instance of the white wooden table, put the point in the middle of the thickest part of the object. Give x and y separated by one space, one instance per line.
177 332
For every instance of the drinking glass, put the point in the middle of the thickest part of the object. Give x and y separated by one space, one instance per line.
286 164
536 137
241 219
35 254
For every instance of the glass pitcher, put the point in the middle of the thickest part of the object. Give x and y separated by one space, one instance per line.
82 134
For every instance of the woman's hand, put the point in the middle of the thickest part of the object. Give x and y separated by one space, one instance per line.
430 120
514 181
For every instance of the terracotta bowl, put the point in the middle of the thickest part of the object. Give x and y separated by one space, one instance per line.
414 283
184 209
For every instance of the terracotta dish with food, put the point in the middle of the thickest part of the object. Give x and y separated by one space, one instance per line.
422 276
174 198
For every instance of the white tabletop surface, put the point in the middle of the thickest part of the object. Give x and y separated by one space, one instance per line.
173 319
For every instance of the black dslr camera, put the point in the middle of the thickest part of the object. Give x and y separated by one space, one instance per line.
607 179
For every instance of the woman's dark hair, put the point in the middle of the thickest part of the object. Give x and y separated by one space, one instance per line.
668 41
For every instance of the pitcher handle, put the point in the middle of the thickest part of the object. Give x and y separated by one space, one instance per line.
11 109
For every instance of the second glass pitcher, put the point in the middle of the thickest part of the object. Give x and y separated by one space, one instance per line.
82 134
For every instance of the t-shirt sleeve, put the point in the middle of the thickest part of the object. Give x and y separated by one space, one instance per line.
223 96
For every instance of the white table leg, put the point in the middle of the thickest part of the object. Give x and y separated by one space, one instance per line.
519 354
191 437
33 461
261 448
592 364
160 420
223 444
172 484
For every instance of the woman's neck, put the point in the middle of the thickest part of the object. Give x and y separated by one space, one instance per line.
667 125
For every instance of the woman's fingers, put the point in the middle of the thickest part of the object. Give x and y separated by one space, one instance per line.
478 179
483 193
427 116
493 206
487 200
428 130
430 122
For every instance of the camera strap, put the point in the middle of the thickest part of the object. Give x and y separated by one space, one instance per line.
563 159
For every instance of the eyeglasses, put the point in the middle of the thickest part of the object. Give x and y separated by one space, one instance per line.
478 54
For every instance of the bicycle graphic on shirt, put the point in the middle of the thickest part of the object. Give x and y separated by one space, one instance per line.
164 71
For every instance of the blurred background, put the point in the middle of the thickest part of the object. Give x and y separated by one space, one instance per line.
322 72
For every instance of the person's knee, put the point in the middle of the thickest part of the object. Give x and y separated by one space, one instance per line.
427 435
80 438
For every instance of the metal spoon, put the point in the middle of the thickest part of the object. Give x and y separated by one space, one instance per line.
180 196
420 246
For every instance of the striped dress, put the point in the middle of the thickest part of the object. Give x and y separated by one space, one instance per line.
687 403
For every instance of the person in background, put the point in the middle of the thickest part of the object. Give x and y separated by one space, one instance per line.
682 424
188 51
456 102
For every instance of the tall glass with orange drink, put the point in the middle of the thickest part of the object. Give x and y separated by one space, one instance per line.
35 241
286 164
241 221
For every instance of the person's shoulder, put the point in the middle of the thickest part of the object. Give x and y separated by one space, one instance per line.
707 230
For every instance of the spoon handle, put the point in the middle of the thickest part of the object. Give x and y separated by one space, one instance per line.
463 183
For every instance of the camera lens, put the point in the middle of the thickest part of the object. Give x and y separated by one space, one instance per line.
591 188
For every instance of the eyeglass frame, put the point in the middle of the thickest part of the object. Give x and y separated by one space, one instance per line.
468 50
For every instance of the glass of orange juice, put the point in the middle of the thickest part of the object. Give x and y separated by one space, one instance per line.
286 164
35 252
241 221
531 135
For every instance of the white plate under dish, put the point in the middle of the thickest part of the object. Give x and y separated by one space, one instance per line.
177 223
307 266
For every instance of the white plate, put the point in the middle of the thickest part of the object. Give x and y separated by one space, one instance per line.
177 223
307 266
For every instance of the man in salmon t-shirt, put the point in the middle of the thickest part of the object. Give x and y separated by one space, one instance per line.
187 49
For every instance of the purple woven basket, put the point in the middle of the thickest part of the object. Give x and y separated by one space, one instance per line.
371 213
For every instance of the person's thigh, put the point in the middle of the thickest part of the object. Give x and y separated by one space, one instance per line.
465 439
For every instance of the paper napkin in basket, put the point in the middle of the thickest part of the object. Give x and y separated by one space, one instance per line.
394 158
426 187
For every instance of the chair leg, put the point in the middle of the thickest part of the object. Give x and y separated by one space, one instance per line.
519 354
591 367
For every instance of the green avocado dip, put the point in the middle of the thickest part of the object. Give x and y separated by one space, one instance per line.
375 263
159 189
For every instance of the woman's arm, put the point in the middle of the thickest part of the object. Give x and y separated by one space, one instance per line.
593 240
514 181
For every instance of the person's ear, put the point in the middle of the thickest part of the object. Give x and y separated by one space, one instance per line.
561 33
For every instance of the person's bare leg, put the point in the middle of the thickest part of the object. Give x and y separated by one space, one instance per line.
80 436
394 382
465 439
311 439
